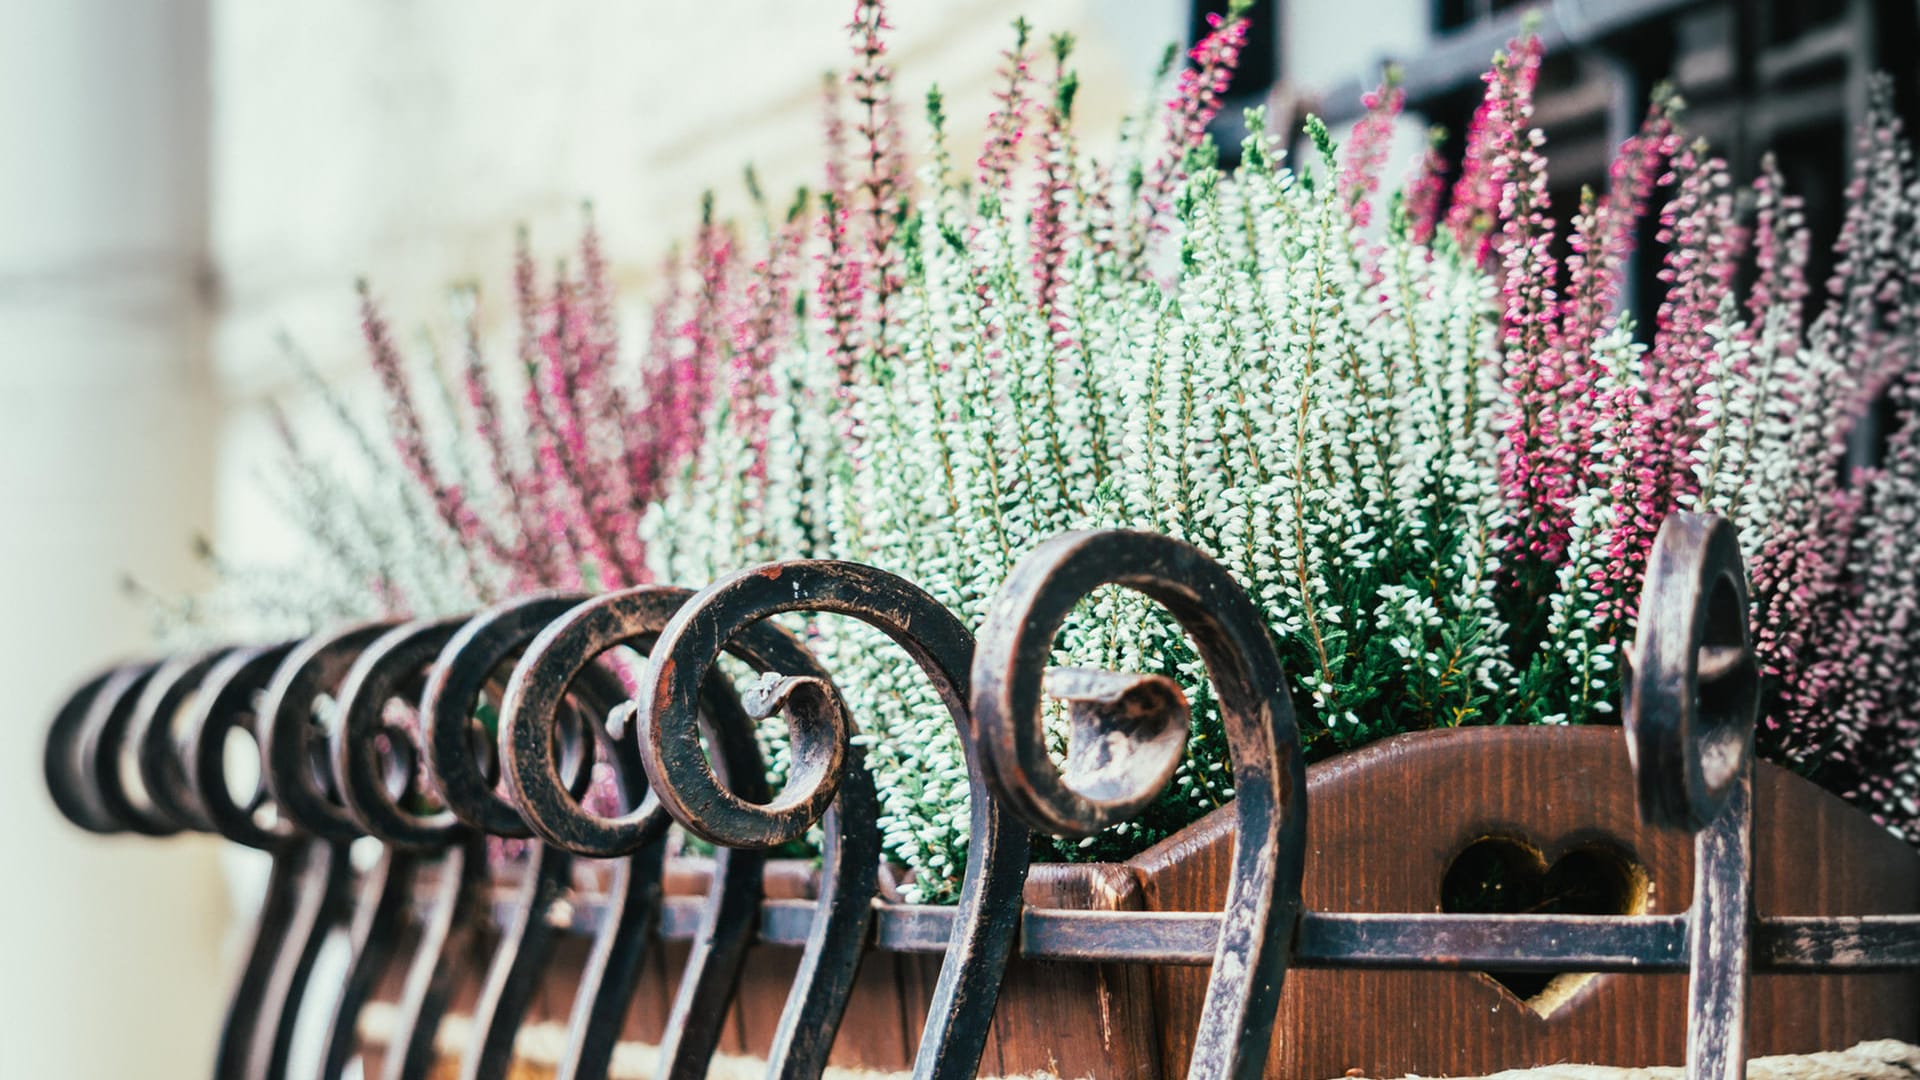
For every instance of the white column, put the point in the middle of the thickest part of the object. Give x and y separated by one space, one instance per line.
108 946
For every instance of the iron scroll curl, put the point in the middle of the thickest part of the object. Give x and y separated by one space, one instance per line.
828 769
637 618
1692 685
1127 734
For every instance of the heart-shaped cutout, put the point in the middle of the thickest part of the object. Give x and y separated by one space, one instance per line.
1505 875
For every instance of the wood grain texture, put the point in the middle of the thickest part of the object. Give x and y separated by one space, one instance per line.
1385 822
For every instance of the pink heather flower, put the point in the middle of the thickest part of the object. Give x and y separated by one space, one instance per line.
1425 190
1367 150
883 183
841 289
1476 194
539 525
702 341
1053 192
761 325
409 436
1195 102
607 406
1815 638
575 377
842 278
1535 467
1601 243
1780 248
1662 428
648 465
1006 124
528 553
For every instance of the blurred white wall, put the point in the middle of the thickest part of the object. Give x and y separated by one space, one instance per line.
186 179
190 178
109 960
405 141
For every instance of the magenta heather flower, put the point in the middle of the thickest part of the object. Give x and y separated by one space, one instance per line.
1661 423
882 191
1426 190
761 325
1367 150
409 435
1195 102
562 483
1601 243
1007 124
678 405
1474 210
1054 190
1534 466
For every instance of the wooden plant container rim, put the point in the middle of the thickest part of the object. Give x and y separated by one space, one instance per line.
1384 824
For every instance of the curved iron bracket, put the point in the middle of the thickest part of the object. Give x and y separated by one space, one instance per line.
1129 731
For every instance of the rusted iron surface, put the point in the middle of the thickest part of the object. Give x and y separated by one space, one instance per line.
374 791
1128 734
379 916
986 918
1691 703
154 738
334 767
462 762
827 784
453 921
380 794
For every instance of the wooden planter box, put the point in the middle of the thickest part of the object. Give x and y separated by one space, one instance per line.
1551 809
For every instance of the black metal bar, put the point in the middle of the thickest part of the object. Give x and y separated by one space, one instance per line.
827 784
450 937
265 942
1128 735
981 932
514 975
379 793
1646 943
321 899
379 913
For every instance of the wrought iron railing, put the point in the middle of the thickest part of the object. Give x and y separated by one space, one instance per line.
1690 702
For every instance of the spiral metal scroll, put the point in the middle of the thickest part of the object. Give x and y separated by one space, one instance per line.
394 667
225 704
1692 701
78 753
298 775
156 744
1128 731
1692 691
459 770
102 751
308 883
989 909
834 788
375 791
565 652
131 709
460 759
561 655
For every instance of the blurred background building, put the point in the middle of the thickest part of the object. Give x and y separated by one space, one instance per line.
190 179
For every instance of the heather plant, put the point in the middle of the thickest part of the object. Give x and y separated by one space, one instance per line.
1147 341
479 479
1433 449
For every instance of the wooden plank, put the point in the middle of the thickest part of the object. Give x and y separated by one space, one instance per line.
1077 1019
1386 822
